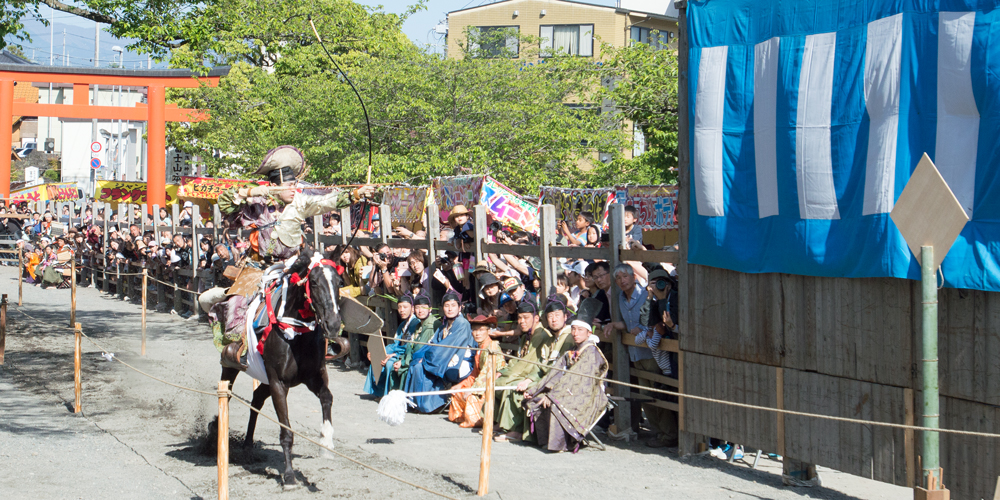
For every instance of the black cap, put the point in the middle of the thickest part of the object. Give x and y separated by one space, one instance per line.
526 307
422 300
554 304
451 295
405 298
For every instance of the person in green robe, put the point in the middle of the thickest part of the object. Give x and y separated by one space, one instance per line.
428 325
545 345
378 382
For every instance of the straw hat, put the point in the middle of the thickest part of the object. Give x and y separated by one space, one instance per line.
455 212
283 157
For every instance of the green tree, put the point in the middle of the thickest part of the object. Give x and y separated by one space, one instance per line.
643 88
430 117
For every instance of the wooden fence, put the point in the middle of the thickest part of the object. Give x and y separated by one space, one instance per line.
126 280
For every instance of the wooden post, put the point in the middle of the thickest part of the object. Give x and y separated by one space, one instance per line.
145 276
216 223
345 225
72 290
908 439
3 326
433 231
484 454
384 222
223 443
77 385
779 377
20 276
195 283
547 231
620 357
104 254
317 231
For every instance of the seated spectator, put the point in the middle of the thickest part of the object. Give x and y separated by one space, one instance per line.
379 382
446 362
632 231
593 236
425 332
578 237
507 315
488 297
416 276
352 283
563 405
545 345
465 408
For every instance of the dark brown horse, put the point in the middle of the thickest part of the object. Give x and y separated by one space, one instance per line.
312 286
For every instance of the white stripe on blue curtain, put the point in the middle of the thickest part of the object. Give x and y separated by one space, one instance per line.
709 112
765 89
957 115
813 156
883 53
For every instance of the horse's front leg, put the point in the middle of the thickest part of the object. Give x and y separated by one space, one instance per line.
319 385
279 394
260 395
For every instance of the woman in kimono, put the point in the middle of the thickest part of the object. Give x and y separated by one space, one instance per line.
466 408
444 363
378 381
427 325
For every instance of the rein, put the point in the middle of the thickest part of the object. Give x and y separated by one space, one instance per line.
306 312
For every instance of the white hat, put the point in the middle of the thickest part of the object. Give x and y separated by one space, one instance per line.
578 267
187 204
582 324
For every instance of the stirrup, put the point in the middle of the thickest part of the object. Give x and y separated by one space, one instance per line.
231 357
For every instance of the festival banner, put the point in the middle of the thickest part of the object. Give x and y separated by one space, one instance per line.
34 193
507 206
460 190
406 203
654 205
570 202
207 187
59 191
116 192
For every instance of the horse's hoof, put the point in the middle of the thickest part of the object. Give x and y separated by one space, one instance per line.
327 454
288 482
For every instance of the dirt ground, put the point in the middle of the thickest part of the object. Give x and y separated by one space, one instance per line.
139 438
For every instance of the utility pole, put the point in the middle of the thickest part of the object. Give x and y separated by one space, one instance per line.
52 42
93 123
65 61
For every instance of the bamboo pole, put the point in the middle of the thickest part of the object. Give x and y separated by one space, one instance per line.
929 329
77 385
3 326
20 277
143 348
223 443
484 454
72 291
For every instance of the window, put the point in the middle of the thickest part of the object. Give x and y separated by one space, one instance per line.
568 39
494 41
657 40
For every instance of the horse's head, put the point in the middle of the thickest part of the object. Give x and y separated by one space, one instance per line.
322 290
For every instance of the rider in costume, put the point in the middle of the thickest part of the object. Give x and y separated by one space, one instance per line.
275 214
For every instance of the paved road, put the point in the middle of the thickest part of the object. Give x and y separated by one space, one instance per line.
139 438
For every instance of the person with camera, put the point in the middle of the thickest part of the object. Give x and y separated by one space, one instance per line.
577 237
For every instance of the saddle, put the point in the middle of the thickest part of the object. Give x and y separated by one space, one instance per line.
246 280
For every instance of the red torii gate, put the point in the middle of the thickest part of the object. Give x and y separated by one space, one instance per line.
156 113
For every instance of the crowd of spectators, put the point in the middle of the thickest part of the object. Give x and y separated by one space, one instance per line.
496 304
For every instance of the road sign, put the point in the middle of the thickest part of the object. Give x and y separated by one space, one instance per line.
95 147
95 163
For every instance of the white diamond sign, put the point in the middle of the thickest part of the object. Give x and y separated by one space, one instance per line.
927 212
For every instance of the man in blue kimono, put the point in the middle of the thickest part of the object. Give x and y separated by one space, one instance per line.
379 382
447 361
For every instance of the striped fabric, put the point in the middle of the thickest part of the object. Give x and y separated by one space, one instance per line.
808 117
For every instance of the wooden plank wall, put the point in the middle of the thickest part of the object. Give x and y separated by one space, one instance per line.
846 347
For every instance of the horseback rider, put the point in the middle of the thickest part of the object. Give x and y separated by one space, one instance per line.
274 213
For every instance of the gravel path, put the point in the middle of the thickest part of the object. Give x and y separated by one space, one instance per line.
139 438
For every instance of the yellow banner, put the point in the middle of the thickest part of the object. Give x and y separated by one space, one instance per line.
59 191
208 188
116 192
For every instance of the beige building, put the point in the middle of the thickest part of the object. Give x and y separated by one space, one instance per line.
566 27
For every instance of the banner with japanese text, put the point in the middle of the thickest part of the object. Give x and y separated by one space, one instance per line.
116 192
570 202
508 207
654 205
461 190
60 191
406 203
207 187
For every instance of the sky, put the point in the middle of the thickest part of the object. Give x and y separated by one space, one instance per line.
80 33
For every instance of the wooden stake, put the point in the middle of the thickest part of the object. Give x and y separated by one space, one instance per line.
77 385
484 454
20 276
143 348
3 326
223 445
72 291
